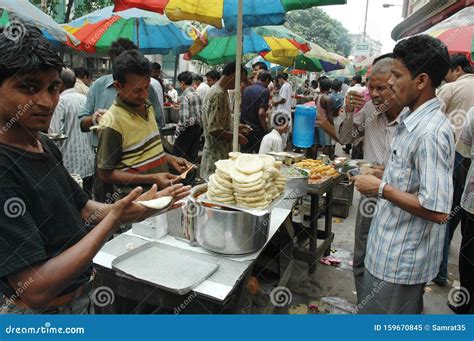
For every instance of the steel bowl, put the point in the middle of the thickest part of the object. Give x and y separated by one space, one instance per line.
227 231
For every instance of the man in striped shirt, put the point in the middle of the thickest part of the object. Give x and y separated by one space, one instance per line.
130 151
405 243
375 124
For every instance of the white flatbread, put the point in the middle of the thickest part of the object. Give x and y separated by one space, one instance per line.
245 178
256 188
234 155
248 164
224 166
157 204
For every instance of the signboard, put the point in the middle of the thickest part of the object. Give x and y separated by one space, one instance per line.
361 52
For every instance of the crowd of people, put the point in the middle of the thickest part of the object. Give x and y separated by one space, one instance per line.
402 120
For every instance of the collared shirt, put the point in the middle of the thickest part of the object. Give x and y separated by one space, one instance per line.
272 142
255 97
78 155
458 98
130 142
216 115
403 248
102 95
81 87
202 90
286 93
372 126
190 110
466 148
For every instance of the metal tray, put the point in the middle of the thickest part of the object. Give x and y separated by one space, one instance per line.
164 267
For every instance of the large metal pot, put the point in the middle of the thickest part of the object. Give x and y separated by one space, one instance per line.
225 231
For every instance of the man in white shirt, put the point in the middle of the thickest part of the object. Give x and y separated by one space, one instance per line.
200 86
172 94
285 94
275 141
78 154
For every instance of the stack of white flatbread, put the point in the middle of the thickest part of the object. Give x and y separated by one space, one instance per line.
220 186
247 180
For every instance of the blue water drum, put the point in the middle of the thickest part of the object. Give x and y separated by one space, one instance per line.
303 128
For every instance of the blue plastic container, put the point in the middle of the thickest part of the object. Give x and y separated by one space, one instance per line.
303 128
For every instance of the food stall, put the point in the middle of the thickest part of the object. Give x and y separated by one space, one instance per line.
204 252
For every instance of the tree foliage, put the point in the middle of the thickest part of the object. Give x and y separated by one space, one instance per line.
316 26
72 8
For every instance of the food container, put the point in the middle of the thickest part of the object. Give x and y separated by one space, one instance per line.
296 182
224 231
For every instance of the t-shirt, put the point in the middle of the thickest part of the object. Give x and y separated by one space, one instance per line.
272 142
41 211
286 93
130 143
255 97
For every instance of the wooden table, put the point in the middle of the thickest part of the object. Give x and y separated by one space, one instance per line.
312 252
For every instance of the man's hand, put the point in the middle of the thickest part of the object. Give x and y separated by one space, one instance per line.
164 180
367 184
354 100
367 171
243 139
245 129
180 164
127 210
98 115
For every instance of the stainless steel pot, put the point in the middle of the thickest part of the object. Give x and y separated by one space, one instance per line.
225 231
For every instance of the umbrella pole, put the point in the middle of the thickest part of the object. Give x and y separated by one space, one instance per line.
238 95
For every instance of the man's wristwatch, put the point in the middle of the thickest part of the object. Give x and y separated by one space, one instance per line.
380 192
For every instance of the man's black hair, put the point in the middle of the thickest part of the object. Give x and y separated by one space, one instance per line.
120 45
214 74
314 83
336 85
424 54
347 81
325 84
322 77
261 65
82 72
156 66
357 79
198 78
186 77
130 62
229 69
379 58
460 60
264 76
26 51
283 75
68 77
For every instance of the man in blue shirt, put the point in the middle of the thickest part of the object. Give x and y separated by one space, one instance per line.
255 102
405 243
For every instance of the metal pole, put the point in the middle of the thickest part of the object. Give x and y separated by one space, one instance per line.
365 20
238 95
176 65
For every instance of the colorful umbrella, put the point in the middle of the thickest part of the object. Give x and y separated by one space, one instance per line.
456 32
218 46
315 60
223 13
153 33
348 72
30 13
